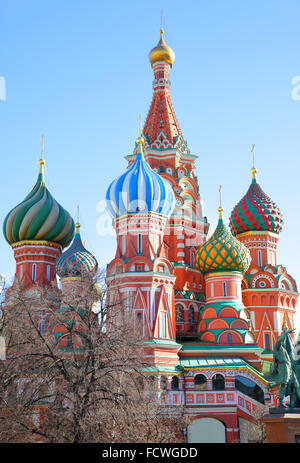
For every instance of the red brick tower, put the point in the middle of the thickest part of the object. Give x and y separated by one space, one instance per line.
269 292
167 153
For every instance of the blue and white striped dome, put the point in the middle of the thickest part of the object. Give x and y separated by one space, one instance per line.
140 189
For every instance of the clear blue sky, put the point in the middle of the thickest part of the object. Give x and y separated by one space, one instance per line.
78 72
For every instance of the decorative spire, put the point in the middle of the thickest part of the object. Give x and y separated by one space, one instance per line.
39 217
77 224
42 160
220 209
222 252
161 130
253 170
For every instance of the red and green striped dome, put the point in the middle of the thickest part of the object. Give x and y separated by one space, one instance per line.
255 212
39 217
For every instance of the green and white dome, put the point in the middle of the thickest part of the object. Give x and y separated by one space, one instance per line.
39 217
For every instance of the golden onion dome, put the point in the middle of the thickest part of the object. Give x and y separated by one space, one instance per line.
162 52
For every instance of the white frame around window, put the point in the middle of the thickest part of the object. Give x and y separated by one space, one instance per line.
163 324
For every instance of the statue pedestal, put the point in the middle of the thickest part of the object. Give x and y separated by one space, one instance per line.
282 425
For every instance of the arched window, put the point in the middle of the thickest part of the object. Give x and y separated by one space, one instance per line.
179 312
218 382
152 383
200 383
192 259
175 383
163 383
191 314
139 320
42 325
229 338
250 388
69 340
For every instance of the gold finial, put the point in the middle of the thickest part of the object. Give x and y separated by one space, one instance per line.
42 160
253 170
140 140
161 26
77 225
220 209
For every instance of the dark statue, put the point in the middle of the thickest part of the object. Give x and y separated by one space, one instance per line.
288 369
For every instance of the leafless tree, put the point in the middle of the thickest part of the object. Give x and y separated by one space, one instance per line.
75 370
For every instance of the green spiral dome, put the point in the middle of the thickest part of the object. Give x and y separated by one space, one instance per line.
39 217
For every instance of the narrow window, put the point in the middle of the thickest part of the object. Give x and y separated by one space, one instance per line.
48 272
123 244
21 271
174 383
139 243
163 330
224 289
212 290
192 259
267 342
259 259
33 272
229 338
139 323
69 340
42 325
191 315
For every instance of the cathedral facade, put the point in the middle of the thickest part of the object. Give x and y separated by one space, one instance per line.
210 309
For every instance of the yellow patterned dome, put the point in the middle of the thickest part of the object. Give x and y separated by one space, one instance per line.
222 252
162 52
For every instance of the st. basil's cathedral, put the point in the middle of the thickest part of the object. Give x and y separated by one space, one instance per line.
211 309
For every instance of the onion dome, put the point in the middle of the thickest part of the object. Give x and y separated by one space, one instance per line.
222 252
140 189
39 217
255 211
162 52
76 260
